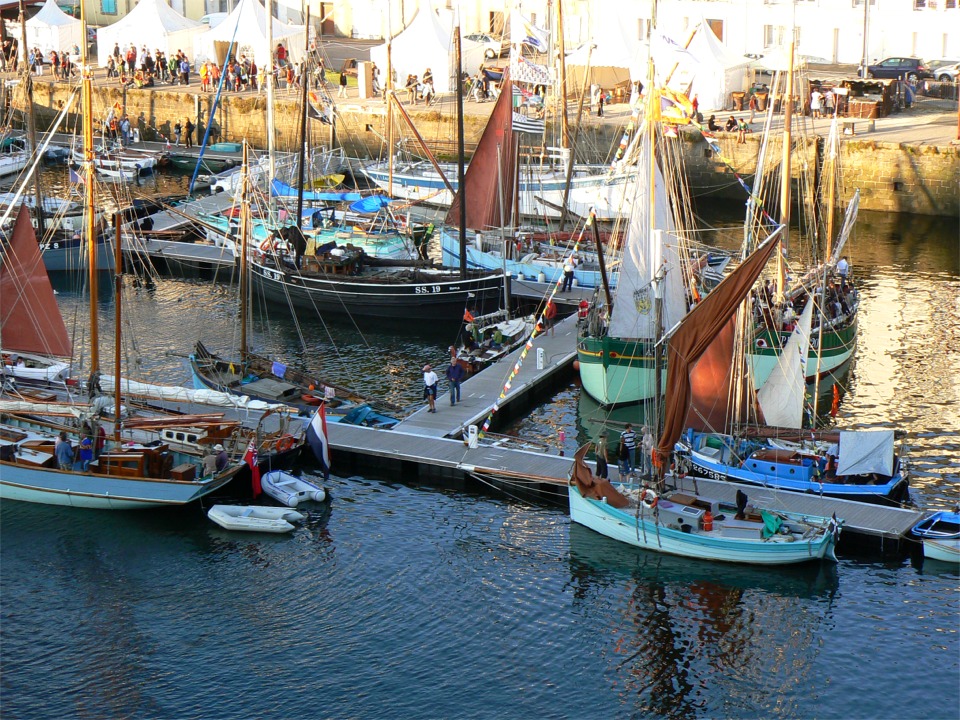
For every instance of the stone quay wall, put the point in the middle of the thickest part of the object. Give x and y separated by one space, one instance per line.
891 177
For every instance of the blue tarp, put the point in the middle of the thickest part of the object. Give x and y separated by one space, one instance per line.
281 189
371 204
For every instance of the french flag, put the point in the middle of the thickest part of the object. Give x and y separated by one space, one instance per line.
317 437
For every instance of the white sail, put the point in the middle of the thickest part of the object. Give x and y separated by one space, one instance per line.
41 408
650 251
781 396
849 220
865 451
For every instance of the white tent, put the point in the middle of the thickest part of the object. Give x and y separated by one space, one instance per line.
710 71
52 29
152 24
427 42
614 60
246 27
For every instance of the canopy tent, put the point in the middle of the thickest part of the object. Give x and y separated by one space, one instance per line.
710 71
52 29
246 26
427 42
151 24
614 60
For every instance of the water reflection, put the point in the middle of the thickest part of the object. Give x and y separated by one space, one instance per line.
691 638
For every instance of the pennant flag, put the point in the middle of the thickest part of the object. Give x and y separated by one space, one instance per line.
522 123
250 458
75 177
468 316
318 109
278 369
317 437
524 32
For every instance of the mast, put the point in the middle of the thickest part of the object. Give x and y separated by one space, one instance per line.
271 78
27 80
117 301
304 81
461 187
785 172
603 263
88 178
833 153
564 120
388 95
244 232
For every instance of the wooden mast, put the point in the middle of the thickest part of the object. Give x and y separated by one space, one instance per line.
785 172
271 78
244 232
461 185
117 329
88 179
564 120
27 79
304 81
388 95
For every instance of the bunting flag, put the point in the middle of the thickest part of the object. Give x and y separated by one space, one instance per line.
318 108
75 177
539 327
522 123
524 32
317 437
250 458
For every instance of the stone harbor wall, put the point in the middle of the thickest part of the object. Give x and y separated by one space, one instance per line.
892 177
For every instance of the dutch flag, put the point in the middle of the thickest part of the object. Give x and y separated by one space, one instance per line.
317 437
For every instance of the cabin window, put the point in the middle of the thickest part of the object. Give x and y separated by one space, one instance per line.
191 438
108 7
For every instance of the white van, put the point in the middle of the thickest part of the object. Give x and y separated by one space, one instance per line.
214 19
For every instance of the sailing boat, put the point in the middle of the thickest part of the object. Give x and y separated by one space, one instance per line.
37 466
681 522
259 377
654 291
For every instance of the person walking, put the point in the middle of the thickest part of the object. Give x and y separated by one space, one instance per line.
430 381
177 133
184 70
455 375
550 315
188 128
624 464
752 106
342 91
601 452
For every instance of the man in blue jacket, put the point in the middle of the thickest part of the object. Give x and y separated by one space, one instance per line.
455 375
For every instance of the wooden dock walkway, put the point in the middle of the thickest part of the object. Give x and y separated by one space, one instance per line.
479 392
408 455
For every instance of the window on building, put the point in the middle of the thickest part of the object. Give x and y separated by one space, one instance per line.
108 7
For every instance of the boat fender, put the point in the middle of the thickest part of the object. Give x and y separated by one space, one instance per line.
708 521
285 442
649 499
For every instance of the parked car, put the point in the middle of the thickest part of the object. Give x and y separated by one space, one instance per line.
493 47
947 73
907 68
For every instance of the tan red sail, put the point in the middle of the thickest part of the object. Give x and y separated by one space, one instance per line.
30 320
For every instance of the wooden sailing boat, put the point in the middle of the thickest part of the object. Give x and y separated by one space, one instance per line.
123 476
681 522
617 353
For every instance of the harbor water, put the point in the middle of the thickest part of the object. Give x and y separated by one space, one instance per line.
401 601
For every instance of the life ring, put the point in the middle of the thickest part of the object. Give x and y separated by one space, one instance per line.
761 343
649 498
285 442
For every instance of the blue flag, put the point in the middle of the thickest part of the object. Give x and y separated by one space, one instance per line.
317 437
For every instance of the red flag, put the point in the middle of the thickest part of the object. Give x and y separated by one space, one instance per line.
467 316
250 458
835 405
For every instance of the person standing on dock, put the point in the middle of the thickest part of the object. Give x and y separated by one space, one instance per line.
455 376
188 128
628 448
430 381
602 451
569 265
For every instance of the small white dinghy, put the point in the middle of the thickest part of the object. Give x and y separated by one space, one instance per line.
254 518
290 489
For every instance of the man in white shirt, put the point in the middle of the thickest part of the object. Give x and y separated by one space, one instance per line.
430 381
843 267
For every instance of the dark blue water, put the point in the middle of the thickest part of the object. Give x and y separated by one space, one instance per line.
412 602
